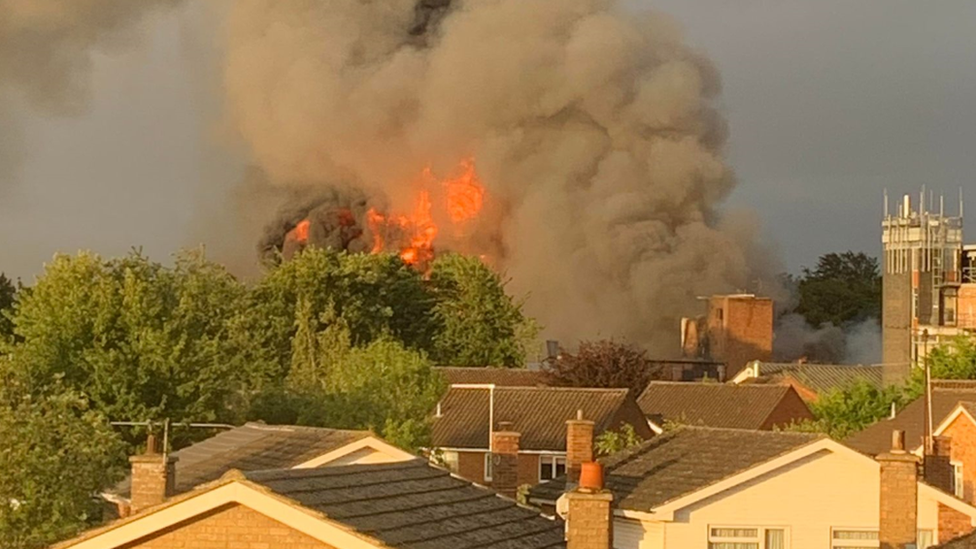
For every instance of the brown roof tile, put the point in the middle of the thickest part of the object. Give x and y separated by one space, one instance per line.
681 462
415 505
538 413
718 404
945 396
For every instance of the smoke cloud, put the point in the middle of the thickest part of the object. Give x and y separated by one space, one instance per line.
594 131
45 57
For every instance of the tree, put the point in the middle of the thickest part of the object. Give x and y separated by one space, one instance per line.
843 412
610 442
604 363
139 340
478 324
843 288
8 294
375 295
955 360
57 454
383 386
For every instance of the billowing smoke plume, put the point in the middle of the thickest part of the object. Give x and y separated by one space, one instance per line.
593 129
45 56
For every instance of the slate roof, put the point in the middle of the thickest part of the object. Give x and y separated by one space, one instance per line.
720 405
251 447
414 505
946 394
538 413
507 377
821 377
681 462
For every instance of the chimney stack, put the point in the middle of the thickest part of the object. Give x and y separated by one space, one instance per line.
899 495
938 464
153 477
504 460
579 445
589 519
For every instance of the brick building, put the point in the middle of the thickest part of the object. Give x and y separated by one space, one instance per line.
735 330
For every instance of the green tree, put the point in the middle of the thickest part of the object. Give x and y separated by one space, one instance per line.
610 442
478 324
604 363
955 360
56 455
8 294
375 295
842 288
843 412
141 341
383 386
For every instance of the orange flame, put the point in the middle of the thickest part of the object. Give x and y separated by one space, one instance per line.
465 194
300 231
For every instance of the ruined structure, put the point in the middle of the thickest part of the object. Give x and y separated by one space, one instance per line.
736 330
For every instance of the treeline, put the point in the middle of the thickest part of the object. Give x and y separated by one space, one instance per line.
328 338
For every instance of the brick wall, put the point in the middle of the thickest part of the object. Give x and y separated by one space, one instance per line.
952 524
962 433
528 469
589 523
896 323
471 466
579 446
899 503
504 474
789 410
966 306
232 527
153 480
741 332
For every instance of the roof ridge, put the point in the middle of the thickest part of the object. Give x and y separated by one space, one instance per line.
461 386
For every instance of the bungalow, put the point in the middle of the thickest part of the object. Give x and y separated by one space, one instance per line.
719 488
722 405
469 416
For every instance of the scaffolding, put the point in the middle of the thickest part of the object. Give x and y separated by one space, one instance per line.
922 241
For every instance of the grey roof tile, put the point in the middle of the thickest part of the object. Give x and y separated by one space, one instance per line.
821 377
718 404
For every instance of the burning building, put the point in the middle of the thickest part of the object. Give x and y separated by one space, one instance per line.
735 330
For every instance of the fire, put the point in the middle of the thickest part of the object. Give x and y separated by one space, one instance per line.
413 235
301 230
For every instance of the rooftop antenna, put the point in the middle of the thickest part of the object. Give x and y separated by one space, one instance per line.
886 202
960 202
921 201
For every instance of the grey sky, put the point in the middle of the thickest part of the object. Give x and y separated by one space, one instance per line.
828 104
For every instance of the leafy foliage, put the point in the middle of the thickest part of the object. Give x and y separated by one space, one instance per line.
140 340
56 455
610 442
8 294
843 412
478 324
604 363
956 360
842 288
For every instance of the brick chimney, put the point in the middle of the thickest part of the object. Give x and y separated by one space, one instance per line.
579 445
899 495
589 518
153 477
504 460
938 464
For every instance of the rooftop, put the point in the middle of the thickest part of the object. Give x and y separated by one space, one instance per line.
511 377
718 404
821 377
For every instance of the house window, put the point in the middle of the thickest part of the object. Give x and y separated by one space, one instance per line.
958 485
854 538
738 537
551 467
450 461
925 539
487 466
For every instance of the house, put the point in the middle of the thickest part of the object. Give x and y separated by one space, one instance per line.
255 446
501 377
809 380
468 418
722 405
407 504
967 541
707 487
946 395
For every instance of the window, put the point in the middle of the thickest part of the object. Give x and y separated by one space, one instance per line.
925 539
551 467
958 485
450 461
487 466
854 538
738 537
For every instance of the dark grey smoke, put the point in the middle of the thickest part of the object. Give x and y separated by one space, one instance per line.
427 14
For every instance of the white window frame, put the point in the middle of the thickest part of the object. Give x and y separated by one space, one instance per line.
759 539
488 466
958 480
450 459
552 460
842 543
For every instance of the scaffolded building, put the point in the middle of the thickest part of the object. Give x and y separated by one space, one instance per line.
925 272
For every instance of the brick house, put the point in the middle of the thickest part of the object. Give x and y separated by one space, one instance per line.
722 405
255 446
707 487
408 504
809 380
468 416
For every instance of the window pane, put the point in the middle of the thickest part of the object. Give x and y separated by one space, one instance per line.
775 539
733 545
855 534
924 539
545 471
560 467
735 533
